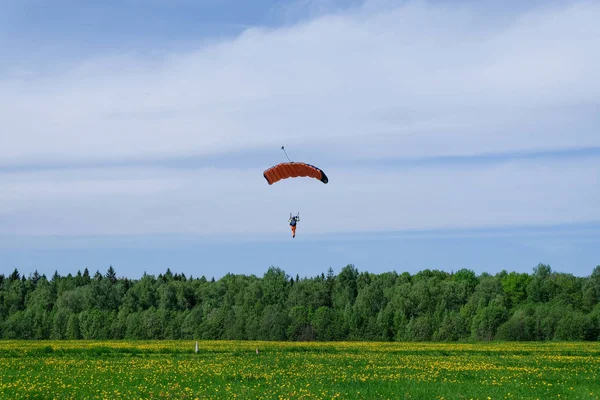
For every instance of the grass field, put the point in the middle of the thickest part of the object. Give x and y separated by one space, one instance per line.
172 369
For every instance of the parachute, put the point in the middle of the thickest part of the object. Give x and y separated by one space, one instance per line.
294 170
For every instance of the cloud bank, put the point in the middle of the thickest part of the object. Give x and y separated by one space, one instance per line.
414 80
221 201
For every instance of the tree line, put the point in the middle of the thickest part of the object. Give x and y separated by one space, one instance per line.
430 305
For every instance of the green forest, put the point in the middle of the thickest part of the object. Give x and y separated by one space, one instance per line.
430 305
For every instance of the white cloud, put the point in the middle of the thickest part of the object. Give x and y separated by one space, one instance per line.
393 80
222 201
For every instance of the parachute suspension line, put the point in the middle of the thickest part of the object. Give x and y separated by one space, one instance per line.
282 148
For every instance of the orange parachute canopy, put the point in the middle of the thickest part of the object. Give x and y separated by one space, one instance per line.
294 170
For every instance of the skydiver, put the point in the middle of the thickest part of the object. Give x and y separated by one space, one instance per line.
293 220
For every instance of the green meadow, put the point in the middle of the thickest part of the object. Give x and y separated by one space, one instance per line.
298 370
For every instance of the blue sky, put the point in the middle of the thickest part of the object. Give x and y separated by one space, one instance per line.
455 135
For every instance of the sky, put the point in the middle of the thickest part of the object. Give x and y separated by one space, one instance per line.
455 134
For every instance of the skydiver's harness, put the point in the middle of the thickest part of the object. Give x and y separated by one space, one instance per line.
295 219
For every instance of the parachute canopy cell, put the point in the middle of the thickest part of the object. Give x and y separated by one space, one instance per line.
294 170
